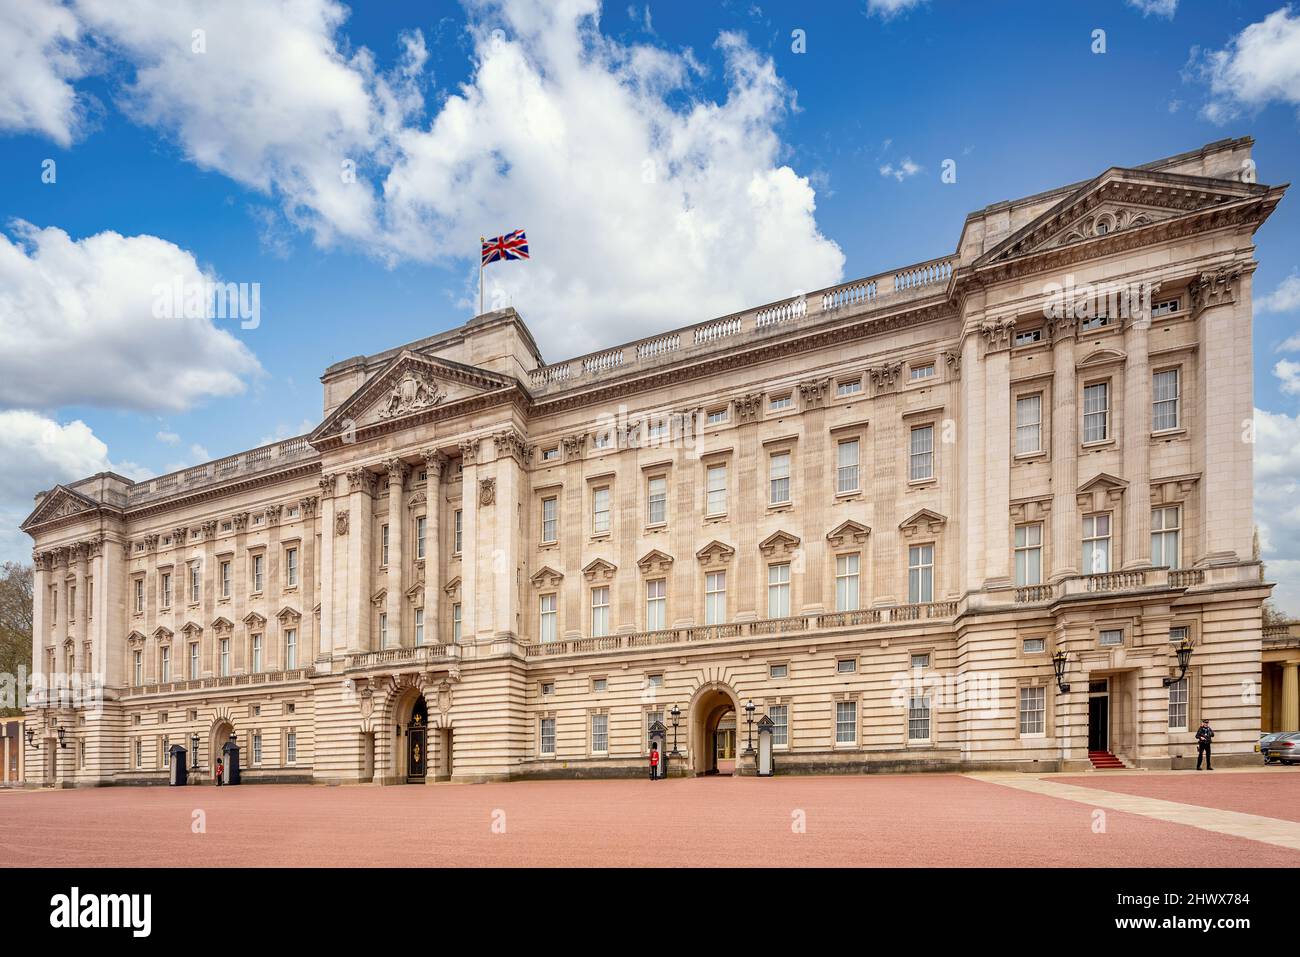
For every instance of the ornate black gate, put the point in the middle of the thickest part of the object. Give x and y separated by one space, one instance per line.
417 744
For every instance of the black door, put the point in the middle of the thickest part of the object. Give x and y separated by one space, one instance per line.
1099 723
417 743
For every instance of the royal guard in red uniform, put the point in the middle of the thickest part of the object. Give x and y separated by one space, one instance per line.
218 772
654 763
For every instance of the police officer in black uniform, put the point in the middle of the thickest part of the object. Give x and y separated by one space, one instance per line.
1204 734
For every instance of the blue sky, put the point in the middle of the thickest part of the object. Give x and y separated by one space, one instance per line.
228 157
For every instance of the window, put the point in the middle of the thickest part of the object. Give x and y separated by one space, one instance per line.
715 598
383 629
1096 543
550 519
290 747
225 579
137 668
599 685
604 440
548 687
549 617
846 722
1166 524
1033 710
291 644
421 524
656 604
1110 637
1028 337
1178 705
600 511
139 753
846 666
458 529
1178 634
1029 424
716 500
1165 307
546 740
778 590
925 371
780 717
846 470
139 596
166 593
225 657
291 568
194 661
600 611
257 747
657 499
552 454
600 733
922 458
920 574
920 661
851 387
918 718
717 416
194 582
846 582
778 478
165 672
383 545
1033 646
259 562
456 622
1096 412
257 647
1029 554
782 402
1164 400
778 671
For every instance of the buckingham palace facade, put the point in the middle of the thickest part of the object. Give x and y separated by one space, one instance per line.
963 514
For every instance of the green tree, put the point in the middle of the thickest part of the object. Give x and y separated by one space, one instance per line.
15 621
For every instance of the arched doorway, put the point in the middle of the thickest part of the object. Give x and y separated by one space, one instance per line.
713 733
411 760
217 738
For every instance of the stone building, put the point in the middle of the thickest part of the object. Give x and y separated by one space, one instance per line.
879 512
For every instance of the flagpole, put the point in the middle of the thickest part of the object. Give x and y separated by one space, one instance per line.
480 275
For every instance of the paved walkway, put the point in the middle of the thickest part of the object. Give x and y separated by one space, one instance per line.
1111 793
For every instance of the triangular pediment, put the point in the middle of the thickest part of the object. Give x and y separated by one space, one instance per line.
1119 200
1104 481
715 551
923 519
1101 357
379 597
162 633
135 639
191 629
222 625
59 502
778 543
655 561
288 614
848 533
599 570
410 385
254 620
452 587
546 577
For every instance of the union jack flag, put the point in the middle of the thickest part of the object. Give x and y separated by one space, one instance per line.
510 246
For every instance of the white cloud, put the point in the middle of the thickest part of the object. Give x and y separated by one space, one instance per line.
885 9
1159 8
1282 299
77 325
40 56
1277 502
902 171
1260 65
168 438
1289 374
672 208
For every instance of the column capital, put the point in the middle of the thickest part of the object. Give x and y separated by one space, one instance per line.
397 471
997 334
1217 287
435 463
361 480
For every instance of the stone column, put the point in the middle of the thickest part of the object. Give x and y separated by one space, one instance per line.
81 559
1136 545
1065 446
308 639
997 456
327 639
1221 307
62 559
435 464
1290 694
241 575
886 579
358 532
273 590
210 582
40 611
397 472
469 450
512 454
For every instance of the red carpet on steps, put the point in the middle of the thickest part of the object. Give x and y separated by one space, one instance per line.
1105 761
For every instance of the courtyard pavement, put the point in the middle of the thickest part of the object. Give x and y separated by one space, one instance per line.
1242 817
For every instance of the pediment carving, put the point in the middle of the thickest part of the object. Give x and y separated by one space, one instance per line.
779 543
162 634
222 626
135 640
254 620
654 562
848 533
599 570
59 502
546 577
922 522
715 553
452 588
287 615
191 630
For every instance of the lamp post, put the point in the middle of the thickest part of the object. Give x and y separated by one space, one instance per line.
31 735
676 712
749 720
1184 653
194 752
1059 661
62 743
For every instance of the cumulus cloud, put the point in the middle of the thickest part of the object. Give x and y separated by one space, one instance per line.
1288 373
647 204
40 57
1277 502
902 171
1159 8
1282 299
885 9
1260 65
77 325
